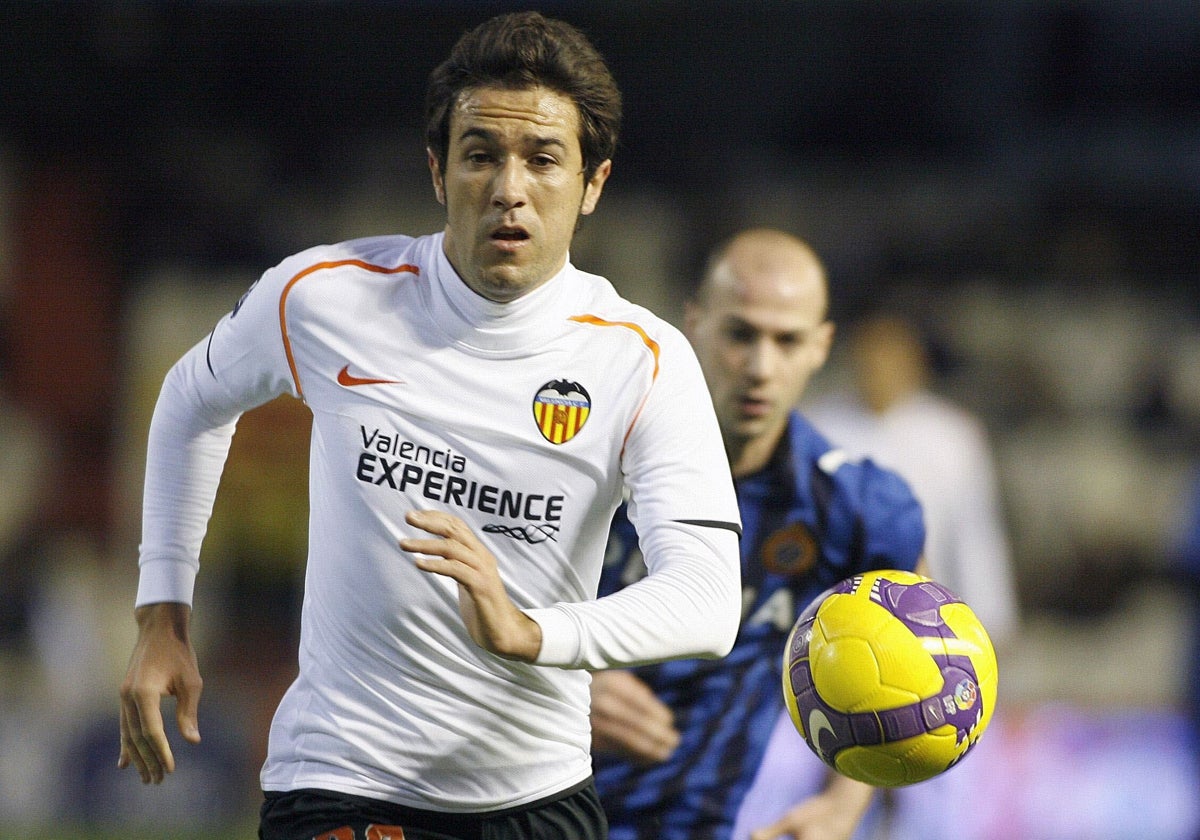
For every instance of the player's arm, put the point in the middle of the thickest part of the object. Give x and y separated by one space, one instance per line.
832 814
185 455
689 602
450 548
683 507
190 433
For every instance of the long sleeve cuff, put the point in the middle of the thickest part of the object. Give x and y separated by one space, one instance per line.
560 637
165 580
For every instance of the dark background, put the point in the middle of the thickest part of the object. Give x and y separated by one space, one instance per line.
1083 107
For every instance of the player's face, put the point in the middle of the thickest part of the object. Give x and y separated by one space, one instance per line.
513 188
759 334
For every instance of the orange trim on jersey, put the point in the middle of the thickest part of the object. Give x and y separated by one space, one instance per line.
629 325
366 266
650 343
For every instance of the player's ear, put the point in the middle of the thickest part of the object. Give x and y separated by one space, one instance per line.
435 171
594 186
691 316
823 340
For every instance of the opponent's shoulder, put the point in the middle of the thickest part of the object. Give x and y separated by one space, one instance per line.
850 474
809 446
869 510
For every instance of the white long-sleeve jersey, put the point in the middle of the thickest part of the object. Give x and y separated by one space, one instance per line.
526 419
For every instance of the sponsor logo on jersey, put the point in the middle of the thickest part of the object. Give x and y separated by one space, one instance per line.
524 533
560 409
442 475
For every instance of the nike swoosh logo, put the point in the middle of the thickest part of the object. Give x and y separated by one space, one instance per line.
346 379
818 723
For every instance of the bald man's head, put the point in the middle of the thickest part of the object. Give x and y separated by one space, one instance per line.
759 327
758 253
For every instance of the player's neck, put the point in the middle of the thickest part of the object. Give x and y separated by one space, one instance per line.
749 456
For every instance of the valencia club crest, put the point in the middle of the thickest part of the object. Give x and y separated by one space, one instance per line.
560 409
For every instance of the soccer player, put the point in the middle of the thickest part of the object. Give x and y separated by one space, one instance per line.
677 745
478 407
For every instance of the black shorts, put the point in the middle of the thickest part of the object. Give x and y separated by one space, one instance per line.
574 813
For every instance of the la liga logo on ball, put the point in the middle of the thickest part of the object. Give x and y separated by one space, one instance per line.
890 678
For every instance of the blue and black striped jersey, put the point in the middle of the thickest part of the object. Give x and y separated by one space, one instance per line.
810 519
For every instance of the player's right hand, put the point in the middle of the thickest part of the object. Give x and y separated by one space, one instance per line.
834 813
628 718
163 662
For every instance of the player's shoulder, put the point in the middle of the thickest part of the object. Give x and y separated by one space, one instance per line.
851 474
809 444
861 499
384 252
604 302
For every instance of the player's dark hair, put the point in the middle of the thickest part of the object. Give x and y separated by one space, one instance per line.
523 50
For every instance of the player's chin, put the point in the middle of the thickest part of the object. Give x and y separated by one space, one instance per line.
506 281
750 428
757 415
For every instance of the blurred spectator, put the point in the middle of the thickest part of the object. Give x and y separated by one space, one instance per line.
23 467
943 450
1185 557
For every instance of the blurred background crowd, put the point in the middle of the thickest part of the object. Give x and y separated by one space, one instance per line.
1016 180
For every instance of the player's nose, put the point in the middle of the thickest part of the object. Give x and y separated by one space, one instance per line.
510 184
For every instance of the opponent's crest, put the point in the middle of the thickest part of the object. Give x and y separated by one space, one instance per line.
791 551
560 409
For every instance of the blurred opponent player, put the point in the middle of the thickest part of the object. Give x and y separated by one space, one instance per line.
677 745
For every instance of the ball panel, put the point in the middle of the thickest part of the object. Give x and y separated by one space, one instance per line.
898 763
905 669
865 660
846 671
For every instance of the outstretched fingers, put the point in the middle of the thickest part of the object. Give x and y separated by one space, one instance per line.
453 549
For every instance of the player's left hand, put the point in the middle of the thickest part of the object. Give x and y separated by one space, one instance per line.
629 719
832 814
491 617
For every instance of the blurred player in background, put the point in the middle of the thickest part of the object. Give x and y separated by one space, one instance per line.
942 450
479 405
1183 552
677 746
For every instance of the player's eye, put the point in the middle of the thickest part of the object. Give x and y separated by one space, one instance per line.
740 334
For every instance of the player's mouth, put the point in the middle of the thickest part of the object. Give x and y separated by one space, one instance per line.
509 237
752 407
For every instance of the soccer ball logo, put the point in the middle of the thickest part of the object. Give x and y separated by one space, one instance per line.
890 678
